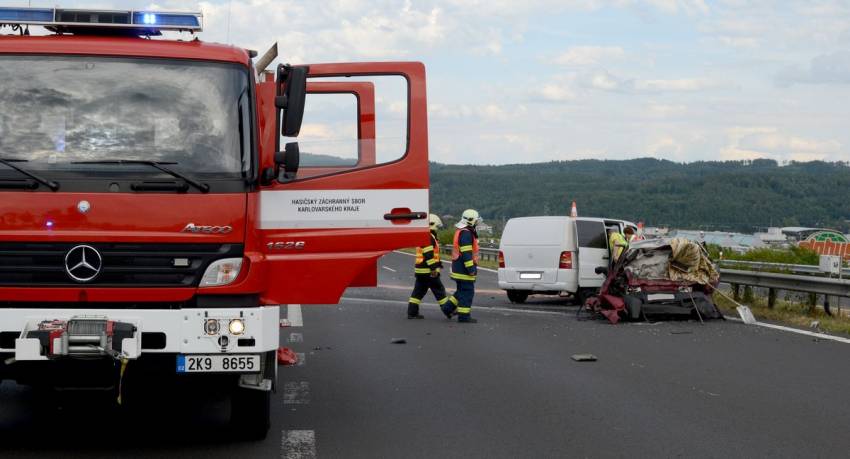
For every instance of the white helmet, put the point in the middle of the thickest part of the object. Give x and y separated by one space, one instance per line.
434 222
470 217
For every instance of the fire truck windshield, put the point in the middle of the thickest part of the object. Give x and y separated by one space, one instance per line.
61 112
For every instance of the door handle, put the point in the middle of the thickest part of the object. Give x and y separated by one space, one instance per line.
406 216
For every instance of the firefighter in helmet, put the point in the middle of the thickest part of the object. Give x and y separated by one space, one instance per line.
464 267
427 272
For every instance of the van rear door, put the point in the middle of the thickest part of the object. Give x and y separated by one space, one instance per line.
532 248
362 186
593 251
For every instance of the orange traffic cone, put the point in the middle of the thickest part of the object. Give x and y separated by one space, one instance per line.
573 210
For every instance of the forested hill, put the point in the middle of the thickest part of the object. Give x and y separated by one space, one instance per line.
732 195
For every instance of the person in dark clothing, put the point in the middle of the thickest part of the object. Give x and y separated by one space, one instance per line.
427 272
464 267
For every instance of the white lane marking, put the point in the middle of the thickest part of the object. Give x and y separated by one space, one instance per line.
296 338
298 444
389 269
444 261
477 290
293 314
474 308
795 330
302 359
296 393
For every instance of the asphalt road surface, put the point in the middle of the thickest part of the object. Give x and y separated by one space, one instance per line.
504 387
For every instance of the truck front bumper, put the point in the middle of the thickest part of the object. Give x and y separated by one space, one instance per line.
176 331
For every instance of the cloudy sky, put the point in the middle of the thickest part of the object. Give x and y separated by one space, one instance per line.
537 80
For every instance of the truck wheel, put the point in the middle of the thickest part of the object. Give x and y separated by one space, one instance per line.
517 296
250 413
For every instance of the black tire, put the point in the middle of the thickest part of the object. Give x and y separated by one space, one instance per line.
517 296
250 413
583 294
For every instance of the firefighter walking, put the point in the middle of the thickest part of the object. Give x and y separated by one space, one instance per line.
427 272
464 267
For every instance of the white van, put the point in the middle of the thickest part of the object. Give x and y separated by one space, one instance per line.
554 255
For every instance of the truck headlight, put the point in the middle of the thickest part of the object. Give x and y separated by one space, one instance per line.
222 272
236 327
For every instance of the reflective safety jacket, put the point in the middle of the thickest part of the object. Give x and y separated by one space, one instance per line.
428 257
465 254
617 244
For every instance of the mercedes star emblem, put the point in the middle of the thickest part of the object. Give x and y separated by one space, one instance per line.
83 206
83 263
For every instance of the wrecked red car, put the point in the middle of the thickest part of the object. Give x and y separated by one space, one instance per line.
671 278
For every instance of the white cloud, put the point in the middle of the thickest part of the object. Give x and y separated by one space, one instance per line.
665 146
833 68
589 55
556 92
666 110
605 81
681 84
771 142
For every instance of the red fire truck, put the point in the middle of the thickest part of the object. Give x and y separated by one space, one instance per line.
150 221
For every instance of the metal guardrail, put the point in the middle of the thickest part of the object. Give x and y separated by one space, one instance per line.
792 282
794 269
483 252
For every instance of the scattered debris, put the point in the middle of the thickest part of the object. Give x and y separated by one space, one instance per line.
815 325
584 357
398 341
746 315
284 323
285 356
681 332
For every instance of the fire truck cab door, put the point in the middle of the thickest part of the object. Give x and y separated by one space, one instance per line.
325 230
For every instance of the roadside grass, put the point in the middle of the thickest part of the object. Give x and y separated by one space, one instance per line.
789 313
489 264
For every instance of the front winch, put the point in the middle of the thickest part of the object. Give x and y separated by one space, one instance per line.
80 337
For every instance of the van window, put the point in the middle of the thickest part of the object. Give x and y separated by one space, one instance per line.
591 234
535 231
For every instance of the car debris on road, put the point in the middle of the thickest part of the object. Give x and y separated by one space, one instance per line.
661 277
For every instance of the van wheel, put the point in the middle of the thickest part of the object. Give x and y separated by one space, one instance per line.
583 294
517 296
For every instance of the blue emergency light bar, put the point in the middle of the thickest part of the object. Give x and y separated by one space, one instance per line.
68 19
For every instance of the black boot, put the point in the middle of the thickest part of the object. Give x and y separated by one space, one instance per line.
413 311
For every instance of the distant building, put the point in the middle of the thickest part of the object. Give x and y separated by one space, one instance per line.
774 237
800 233
485 228
652 232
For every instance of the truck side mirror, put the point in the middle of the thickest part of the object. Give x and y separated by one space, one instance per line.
291 99
288 160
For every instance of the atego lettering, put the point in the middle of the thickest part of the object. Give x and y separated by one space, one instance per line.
193 228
